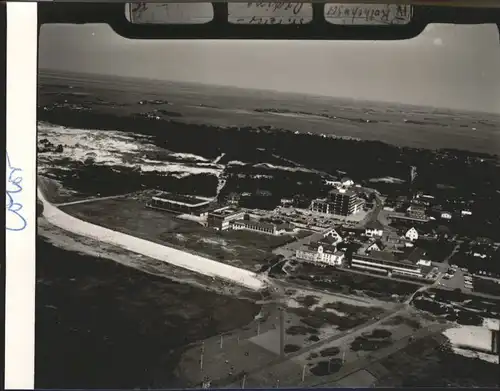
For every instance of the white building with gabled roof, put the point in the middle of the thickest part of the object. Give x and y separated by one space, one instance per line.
375 245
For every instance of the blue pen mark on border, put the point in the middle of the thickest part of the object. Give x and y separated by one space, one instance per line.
15 221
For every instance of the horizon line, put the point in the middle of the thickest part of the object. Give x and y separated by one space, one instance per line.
317 95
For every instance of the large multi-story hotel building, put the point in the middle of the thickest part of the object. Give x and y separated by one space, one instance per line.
339 202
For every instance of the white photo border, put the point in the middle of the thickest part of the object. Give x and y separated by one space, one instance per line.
20 273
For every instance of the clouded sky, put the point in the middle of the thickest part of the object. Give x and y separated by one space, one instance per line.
447 66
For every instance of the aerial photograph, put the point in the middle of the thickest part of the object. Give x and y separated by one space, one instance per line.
268 214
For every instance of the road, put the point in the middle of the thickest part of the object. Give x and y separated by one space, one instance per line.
373 215
455 250
93 199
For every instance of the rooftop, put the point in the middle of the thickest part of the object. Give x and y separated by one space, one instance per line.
326 248
349 193
224 212
256 223
328 240
417 208
378 242
416 255
383 256
387 256
374 224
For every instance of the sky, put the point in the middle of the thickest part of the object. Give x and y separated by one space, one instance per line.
446 66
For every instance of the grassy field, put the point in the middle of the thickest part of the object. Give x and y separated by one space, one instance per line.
243 249
343 281
336 314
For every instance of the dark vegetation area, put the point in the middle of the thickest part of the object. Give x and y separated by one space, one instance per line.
325 368
377 339
398 320
319 317
90 179
430 362
301 330
290 348
328 352
486 286
489 265
436 250
341 281
102 325
314 338
308 300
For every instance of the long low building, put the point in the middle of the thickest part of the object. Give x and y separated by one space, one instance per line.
178 203
232 218
257 226
386 263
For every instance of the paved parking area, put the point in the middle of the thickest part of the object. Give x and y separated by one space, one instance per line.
457 281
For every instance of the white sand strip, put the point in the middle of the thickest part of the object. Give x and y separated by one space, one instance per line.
157 251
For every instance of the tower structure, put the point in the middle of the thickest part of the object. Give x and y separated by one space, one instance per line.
494 326
411 187
282 332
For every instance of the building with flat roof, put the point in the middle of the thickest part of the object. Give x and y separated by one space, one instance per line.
179 203
233 218
386 263
220 219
